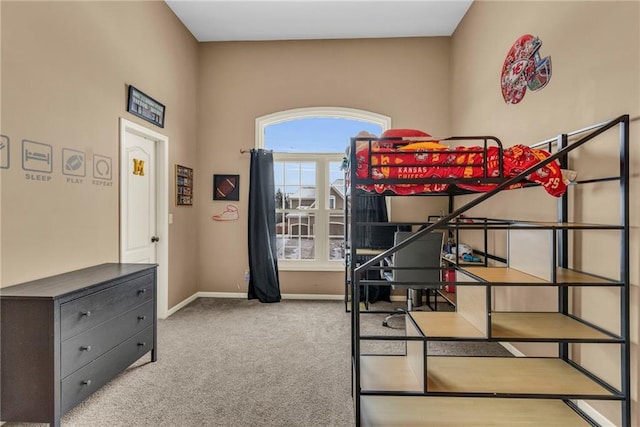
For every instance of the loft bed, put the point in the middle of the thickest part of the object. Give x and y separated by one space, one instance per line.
411 162
391 389
407 162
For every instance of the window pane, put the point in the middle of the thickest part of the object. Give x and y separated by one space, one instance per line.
336 216
336 186
315 135
336 235
295 239
309 184
295 184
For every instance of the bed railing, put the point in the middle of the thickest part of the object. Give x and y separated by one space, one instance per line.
560 154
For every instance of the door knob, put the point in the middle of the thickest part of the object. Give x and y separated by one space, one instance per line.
155 239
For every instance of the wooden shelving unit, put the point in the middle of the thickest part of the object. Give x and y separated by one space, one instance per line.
419 389
184 186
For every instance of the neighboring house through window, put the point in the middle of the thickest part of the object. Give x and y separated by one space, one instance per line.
308 148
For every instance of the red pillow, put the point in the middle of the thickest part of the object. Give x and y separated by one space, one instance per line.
400 133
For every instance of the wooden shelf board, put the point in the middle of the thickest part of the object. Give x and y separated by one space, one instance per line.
569 276
503 275
513 276
506 326
389 373
413 411
445 324
508 375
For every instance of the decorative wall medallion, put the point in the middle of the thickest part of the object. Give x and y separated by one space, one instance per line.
523 68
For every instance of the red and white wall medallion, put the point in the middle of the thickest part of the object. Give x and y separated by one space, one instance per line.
524 68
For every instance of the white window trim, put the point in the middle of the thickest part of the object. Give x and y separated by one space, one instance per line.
314 112
311 112
322 213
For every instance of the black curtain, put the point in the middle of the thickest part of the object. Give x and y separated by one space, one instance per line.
264 283
373 208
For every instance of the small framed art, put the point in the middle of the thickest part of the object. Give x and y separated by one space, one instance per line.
226 187
145 107
184 186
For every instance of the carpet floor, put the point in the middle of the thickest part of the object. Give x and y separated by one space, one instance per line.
232 362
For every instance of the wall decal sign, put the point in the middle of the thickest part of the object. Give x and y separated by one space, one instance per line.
138 167
230 213
102 170
73 162
145 107
37 157
523 68
4 152
226 187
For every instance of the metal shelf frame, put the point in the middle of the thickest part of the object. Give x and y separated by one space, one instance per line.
560 146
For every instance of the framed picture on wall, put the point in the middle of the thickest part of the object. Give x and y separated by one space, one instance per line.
226 187
184 186
145 107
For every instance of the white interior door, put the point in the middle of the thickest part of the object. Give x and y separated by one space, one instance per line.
144 212
139 197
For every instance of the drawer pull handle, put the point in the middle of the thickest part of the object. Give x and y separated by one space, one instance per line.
142 344
142 317
142 291
85 348
86 382
86 313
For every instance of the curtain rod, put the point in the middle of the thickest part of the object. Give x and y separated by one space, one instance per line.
248 150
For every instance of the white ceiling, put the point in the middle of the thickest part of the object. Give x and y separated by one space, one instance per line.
237 20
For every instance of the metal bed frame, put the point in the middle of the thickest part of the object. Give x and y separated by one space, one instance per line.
560 252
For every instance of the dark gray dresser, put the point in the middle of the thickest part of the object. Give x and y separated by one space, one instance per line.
63 337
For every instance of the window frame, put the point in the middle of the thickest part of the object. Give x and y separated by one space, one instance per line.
322 212
384 122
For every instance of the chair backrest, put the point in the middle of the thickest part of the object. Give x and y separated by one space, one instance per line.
425 251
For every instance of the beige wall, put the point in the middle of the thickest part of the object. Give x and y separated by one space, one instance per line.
0 130
65 70
65 67
406 79
595 50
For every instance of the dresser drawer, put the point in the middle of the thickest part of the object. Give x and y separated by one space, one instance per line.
81 349
77 386
84 313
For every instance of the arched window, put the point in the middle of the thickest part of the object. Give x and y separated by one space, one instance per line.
308 148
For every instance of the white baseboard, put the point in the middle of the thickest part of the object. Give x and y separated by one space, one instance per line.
595 415
182 304
511 349
243 295
324 297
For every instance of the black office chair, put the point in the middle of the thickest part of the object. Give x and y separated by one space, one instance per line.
417 264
